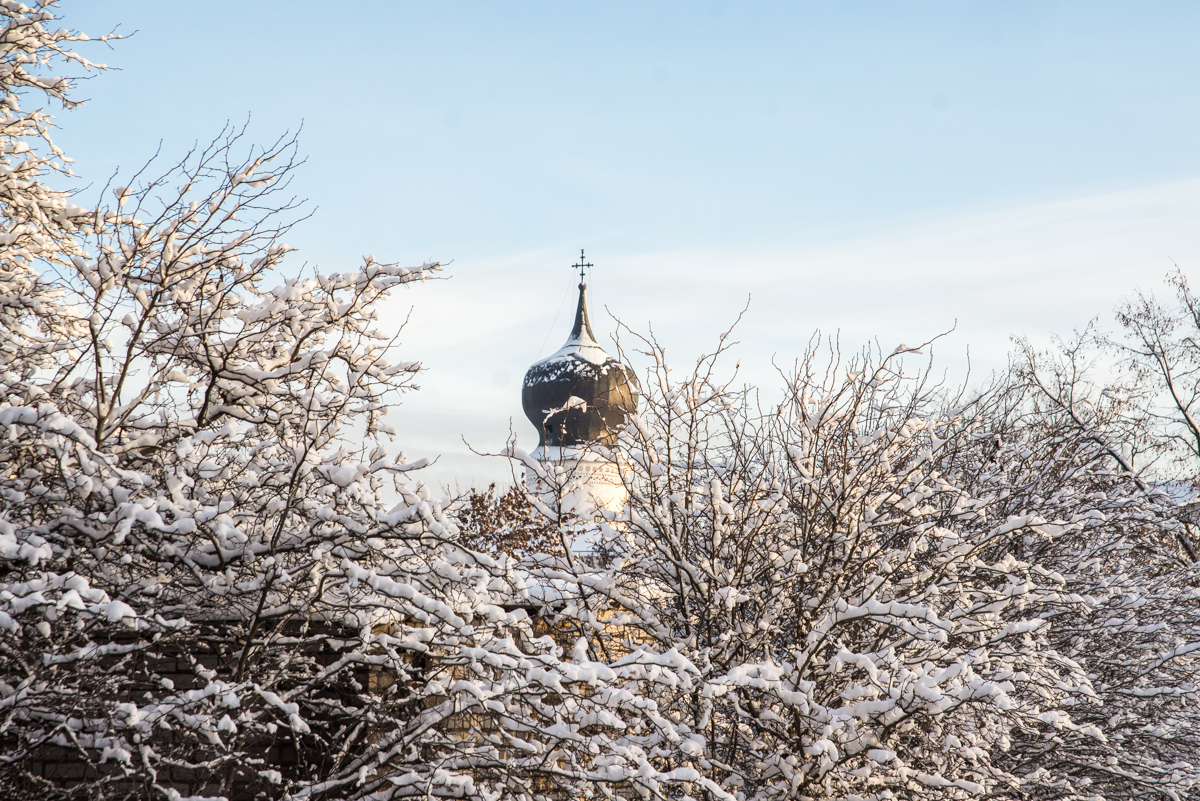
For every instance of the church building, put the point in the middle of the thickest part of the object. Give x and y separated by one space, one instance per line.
577 399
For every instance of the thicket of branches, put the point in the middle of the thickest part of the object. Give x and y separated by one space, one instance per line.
496 523
217 577
879 589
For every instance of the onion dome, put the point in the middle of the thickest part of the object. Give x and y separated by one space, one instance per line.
579 394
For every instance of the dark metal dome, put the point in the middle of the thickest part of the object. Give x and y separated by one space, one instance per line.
579 394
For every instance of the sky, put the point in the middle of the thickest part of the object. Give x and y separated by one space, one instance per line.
876 171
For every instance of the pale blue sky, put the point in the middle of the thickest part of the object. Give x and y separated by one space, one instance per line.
879 168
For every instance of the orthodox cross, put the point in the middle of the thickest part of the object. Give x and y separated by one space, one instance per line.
583 265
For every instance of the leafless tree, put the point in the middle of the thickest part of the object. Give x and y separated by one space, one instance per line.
875 588
218 577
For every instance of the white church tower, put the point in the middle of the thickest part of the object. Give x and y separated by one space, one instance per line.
578 399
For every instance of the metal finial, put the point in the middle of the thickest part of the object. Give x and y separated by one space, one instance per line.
581 267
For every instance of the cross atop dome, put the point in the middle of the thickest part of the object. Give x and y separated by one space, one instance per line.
581 333
581 267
